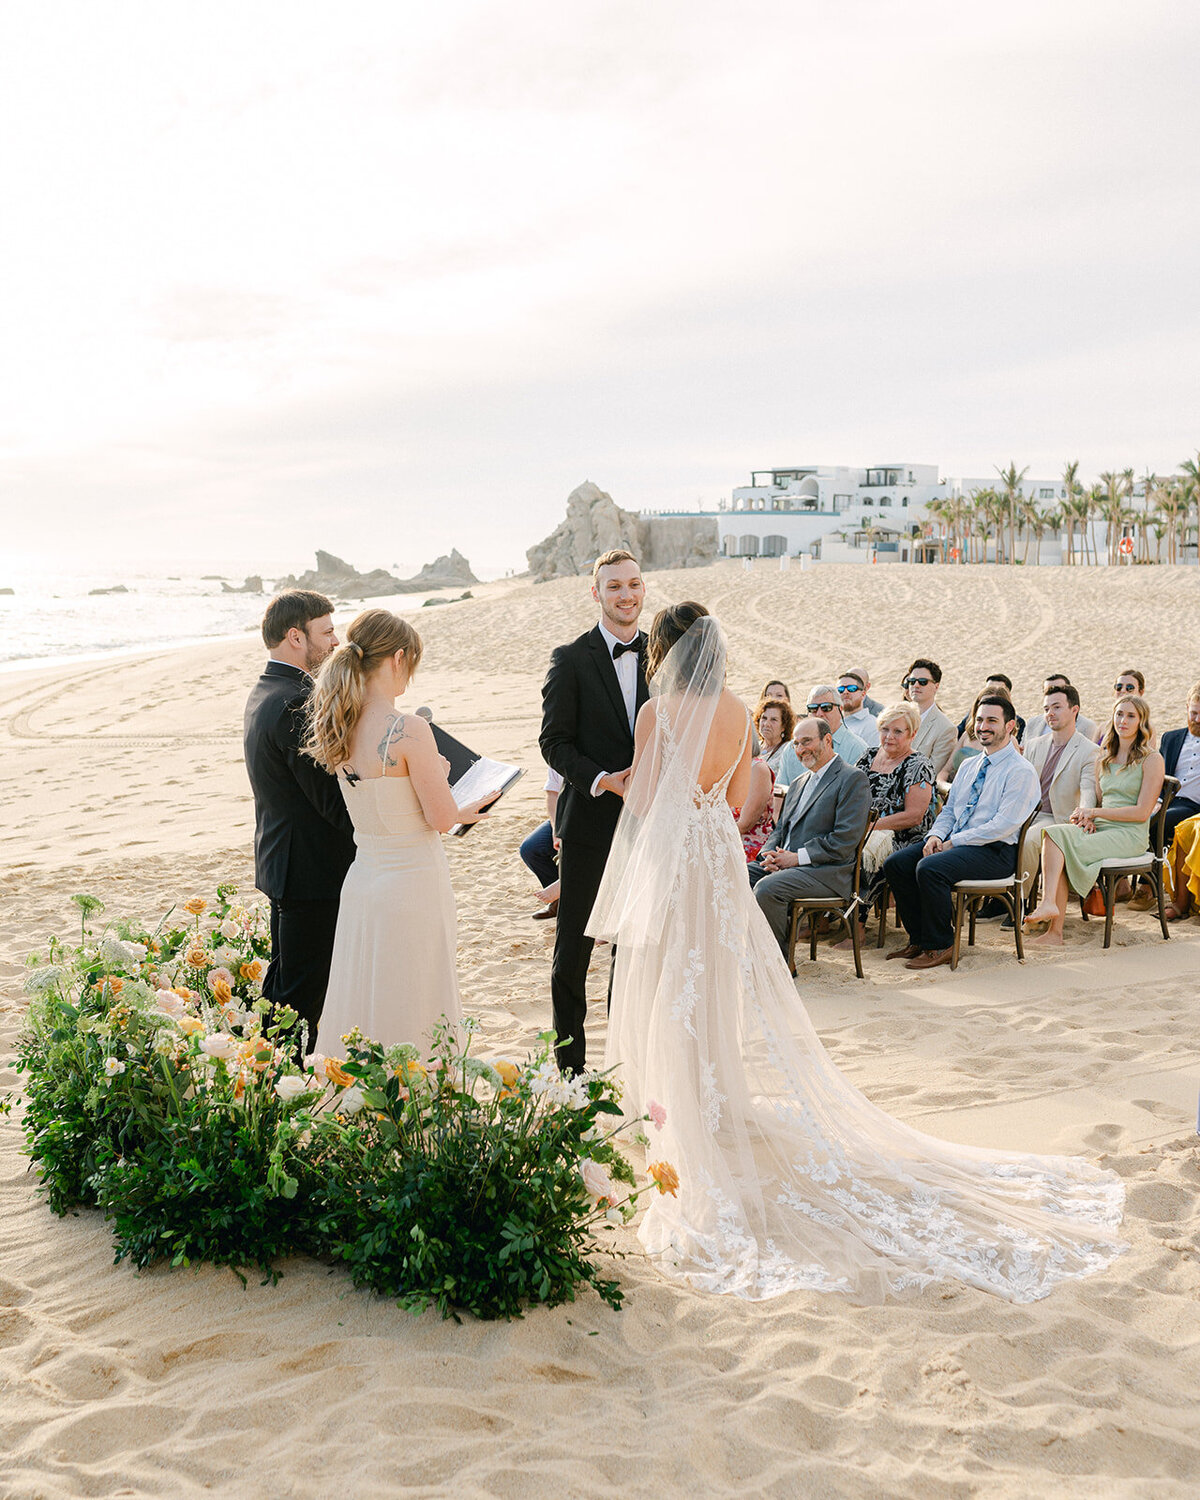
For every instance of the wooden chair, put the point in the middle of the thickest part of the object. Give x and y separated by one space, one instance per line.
1010 889
846 909
1148 866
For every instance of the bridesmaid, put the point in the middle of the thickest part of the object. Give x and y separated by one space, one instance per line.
1130 773
393 970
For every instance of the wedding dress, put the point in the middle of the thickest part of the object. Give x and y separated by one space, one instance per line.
790 1178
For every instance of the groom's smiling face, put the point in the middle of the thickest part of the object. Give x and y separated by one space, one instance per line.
620 593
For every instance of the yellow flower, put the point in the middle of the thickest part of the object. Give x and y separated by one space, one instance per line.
190 1025
197 906
251 971
198 958
509 1073
336 1073
665 1176
410 1070
183 992
222 994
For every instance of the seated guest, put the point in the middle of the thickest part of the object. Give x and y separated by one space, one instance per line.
1065 762
857 717
1129 684
1181 757
1183 867
1037 726
540 851
1129 776
823 704
935 738
996 682
968 745
774 723
811 850
901 793
974 837
756 816
775 689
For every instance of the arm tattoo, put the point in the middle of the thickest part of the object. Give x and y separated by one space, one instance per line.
394 732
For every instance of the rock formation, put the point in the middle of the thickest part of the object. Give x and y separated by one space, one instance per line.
334 576
252 585
117 588
595 524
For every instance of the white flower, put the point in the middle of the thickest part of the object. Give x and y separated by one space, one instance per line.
219 1044
291 1086
113 1066
350 1100
226 957
170 1003
229 929
596 1179
119 955
615 1216
165 1042
477 1069
45 978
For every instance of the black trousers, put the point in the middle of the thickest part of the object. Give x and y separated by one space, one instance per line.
1180 808
923 886
301 950
580 869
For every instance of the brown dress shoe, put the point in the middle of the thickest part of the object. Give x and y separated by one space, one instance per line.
546 912
931 960
910 951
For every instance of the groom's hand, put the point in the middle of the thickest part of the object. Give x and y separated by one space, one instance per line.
614 781
780 859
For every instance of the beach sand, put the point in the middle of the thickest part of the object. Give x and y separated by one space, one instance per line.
125 779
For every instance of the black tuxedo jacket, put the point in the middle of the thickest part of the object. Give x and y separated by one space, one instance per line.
585 732
303 837
1170 745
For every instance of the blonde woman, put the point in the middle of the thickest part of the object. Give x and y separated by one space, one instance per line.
1129 779
393 969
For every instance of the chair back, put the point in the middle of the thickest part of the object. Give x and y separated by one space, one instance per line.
1019 875
1158 823
862 844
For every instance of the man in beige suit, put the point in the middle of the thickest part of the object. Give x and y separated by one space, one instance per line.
1065 761
937 737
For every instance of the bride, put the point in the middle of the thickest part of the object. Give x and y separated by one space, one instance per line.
789 1177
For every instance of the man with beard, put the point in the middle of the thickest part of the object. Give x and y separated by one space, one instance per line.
303 839
590 698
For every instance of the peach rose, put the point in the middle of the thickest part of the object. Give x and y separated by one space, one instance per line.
251 971
665 1176
336 1073
197 906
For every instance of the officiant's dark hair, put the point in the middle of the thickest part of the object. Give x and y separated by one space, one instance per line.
670 625
336 703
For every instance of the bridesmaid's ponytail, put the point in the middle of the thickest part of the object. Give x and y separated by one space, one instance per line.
337 700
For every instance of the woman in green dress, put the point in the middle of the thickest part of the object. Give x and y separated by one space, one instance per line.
1130 777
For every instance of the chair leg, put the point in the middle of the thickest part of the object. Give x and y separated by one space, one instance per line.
812 937
1017 907
1110 903
856 940
973 908
794 924
1157 879
883 906
958 917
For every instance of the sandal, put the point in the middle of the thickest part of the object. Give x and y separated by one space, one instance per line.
1175 913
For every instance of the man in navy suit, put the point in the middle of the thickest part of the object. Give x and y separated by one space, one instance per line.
303 837
1181 751
590 698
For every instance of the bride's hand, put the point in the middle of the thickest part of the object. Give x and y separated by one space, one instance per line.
474 811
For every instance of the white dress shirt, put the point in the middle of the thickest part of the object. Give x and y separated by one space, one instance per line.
810 791
626 666
1187 768
1010 792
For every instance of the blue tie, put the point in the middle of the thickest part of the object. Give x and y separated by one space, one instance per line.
964 817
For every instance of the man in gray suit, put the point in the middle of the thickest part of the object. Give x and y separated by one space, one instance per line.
811 850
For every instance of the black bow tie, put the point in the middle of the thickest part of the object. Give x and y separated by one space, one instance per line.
633 645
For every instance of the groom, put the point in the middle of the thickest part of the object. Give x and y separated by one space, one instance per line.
303 838
590 698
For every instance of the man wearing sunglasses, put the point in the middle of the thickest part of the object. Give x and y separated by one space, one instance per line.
857 713
936 737
822 703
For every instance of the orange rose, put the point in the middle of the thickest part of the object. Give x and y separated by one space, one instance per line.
337 1074
190 1025
115 985
198 958
251 971
665 1176
183 992
222 994
509 1073
197 906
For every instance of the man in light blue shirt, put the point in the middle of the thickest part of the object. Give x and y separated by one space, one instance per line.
973 838
822 704
857 714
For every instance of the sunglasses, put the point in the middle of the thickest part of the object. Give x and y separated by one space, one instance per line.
852 687
1125 687
825 708
916 682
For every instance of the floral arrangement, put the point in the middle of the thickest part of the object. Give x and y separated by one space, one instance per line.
162 1088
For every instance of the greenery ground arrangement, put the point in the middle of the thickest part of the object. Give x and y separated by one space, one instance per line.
163 1089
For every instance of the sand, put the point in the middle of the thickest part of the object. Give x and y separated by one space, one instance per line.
124 778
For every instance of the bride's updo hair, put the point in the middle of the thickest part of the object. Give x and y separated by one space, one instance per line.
336 703
670 626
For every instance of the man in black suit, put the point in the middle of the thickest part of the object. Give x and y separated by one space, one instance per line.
811 850
1181 752
590 698
303 837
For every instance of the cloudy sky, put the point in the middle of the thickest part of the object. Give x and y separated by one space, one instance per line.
391 277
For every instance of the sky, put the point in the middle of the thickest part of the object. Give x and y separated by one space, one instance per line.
387 278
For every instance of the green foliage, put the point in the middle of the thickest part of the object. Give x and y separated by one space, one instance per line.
161 1087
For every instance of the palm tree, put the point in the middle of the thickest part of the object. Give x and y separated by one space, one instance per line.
1071 488
1011 480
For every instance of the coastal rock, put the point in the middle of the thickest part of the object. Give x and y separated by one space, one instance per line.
595 523
8 591
117 588
252 585
334 576
457 599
